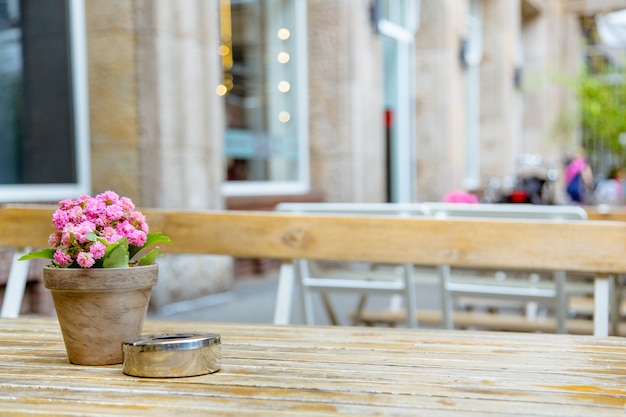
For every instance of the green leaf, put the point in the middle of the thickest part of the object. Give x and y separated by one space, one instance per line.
151 239
150 257
47 253
116 255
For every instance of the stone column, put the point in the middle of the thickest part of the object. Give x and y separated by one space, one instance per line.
182 120
347 146
553 58
440 117
500 101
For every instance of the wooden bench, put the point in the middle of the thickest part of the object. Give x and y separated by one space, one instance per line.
483 321
594 247
604 212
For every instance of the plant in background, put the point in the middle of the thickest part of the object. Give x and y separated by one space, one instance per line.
603 104
105 231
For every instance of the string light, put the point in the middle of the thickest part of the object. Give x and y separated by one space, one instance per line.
284 116
283 57
284 86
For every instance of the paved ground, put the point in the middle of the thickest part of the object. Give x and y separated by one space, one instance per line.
252 300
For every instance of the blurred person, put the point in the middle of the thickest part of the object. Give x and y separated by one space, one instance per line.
578 180
611 190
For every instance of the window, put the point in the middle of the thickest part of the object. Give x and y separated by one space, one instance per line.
43 105
472 53
265 91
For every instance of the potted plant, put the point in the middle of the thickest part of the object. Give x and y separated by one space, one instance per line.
99 276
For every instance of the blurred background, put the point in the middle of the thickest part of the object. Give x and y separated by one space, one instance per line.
242 104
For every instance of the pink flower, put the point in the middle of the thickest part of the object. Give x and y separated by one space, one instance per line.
65 204
94 208
87 225
127 204
110 234
67 239
108 197
135 237
459 196
75 214
54 239
60 218
61 258
85 259
97 250
83 229
114 212
139 221
83 198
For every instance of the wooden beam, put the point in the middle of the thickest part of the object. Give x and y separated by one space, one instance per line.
592 246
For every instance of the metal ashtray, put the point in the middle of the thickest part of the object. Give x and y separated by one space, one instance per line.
171 355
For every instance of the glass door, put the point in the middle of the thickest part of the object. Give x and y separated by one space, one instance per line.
398 25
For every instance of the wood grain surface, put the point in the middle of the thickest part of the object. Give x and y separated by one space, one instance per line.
326 371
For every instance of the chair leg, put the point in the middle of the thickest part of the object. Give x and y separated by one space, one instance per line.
307 297
332 317
411 296
16 285
601 295
284 296
560 278
446 296
615 292
359 309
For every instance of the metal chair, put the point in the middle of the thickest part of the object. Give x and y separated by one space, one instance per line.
312 276
554 293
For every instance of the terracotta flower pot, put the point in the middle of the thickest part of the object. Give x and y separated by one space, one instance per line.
98 308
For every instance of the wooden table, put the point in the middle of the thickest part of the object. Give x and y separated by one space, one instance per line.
326 371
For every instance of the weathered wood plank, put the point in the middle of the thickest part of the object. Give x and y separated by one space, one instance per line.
323 371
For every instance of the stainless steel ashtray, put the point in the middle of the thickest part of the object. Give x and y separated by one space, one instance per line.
171 355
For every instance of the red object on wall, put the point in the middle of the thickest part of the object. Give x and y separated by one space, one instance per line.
388 118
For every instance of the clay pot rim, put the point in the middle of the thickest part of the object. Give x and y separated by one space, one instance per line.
100 279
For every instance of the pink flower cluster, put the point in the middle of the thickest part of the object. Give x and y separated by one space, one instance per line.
88 224
459 196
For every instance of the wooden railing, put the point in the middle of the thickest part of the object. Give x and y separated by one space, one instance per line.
595 247
606 213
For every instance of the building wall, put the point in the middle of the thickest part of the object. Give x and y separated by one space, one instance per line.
440 98
114 120
347 146
500 142
549 67
156 122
